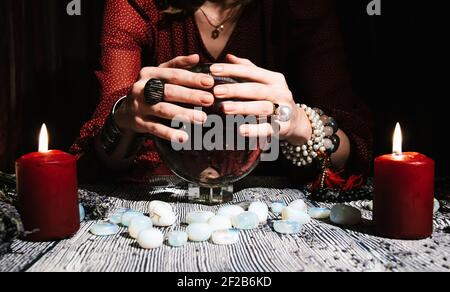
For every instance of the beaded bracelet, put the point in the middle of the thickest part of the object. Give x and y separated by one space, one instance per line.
323 142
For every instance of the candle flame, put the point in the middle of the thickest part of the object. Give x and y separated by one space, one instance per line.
398 140
43 139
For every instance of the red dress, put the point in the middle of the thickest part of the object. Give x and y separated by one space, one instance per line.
299 38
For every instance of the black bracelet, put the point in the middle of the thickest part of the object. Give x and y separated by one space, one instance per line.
111 133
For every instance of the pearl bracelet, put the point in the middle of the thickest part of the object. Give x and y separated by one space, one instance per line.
323 139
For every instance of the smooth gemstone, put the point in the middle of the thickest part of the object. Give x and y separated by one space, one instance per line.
199 232
177 238
104 229
247 220
150 238
162 215
138 224
287 227
230 211
277 207
116 218
293 214
324 119
219 222
199 217
319 213
345 215
327 143
328 131
261 210
436 206
332 123
225 237
127 216
299 205
244 205
284 113
82 212
154 204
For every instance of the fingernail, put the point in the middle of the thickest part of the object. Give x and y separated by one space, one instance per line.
180 138
207 99
220 90
207 81
216 68
228 107
200 118
244 130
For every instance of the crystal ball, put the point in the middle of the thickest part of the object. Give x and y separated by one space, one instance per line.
215 155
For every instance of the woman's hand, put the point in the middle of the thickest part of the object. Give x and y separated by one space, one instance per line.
182 86
257 97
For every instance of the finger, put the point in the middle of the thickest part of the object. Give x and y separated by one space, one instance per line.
170 111
163 131
178 77
176 93
249 108
250 73
254 91
183 62
240 61
254 131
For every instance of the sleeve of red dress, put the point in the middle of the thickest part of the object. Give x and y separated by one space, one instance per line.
124 34
324 80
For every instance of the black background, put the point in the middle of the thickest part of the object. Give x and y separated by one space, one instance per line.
398 61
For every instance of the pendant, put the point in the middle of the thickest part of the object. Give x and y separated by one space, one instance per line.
216 33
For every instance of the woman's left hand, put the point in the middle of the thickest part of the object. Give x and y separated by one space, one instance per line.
257 97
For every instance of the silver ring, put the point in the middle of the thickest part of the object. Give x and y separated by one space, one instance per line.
282 113
154 91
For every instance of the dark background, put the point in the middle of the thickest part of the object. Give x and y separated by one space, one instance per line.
48 59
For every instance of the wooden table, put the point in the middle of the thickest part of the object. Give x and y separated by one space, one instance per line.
320 247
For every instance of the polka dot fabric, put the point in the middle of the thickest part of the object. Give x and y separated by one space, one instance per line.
299 38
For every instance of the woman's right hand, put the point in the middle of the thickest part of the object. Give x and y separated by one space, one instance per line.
182 86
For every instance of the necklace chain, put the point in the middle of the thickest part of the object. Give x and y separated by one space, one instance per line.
218 29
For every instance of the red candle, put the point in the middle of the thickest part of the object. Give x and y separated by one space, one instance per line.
404 193
48 193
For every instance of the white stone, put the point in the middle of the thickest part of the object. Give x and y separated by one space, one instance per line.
287 227
219 222
177 238
150 238
138 224
436 206
104 229
299 205
261 210
127 216
277 207
230 211
199 232
82 212
319 213
154 204
345 215
246 220
225 237
161 214
293 214
198 217
369 206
